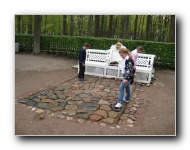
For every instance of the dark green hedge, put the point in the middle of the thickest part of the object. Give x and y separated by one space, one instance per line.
69 46
25 42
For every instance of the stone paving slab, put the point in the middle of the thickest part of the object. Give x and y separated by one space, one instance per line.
90 101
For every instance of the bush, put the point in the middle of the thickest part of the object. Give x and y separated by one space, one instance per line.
70 45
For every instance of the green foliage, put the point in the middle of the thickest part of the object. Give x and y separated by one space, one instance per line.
69 46
25 42
53 25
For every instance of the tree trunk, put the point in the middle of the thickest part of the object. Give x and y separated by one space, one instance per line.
165 29
126 20
37 27
90 22
53 27
148 27
97 25
60 25
142 37
154 27
106 27
139 27
45 24
71 32
172 29
80 25
30 24
160 28
102 30
115 26
18 24
110 32
135 28
23 22
65 30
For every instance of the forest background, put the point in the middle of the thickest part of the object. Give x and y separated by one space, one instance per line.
137 27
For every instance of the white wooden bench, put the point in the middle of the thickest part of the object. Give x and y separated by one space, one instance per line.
144 68
98 64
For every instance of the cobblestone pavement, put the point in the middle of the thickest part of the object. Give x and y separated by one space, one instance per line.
90 101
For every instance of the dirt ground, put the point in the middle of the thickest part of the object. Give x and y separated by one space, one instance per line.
157 116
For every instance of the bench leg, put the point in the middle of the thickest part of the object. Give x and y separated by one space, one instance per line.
149 76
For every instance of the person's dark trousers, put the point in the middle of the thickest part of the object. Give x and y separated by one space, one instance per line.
132 80
81 71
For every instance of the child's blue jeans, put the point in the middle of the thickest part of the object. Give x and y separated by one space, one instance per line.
122 88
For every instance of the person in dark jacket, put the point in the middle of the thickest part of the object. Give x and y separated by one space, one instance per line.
81 59
127 69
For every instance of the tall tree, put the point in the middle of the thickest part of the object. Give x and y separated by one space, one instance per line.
160 27
141 36
165 28
139 26
115 25
65 28
18 24
102 28
59 25
135 28
97 25
30 24
45 24
23 23
37 27
80 24
172 29
90 22
106 26
127 31
110 31
53 26
71 31
154 27
148 27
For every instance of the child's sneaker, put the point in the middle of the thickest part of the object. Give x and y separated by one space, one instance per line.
118 105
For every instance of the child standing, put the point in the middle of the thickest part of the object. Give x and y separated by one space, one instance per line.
127 69
81 59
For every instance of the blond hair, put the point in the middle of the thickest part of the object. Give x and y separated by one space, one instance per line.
118 46
126 51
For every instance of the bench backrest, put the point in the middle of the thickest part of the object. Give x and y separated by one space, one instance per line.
104 57
145 61
97 56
